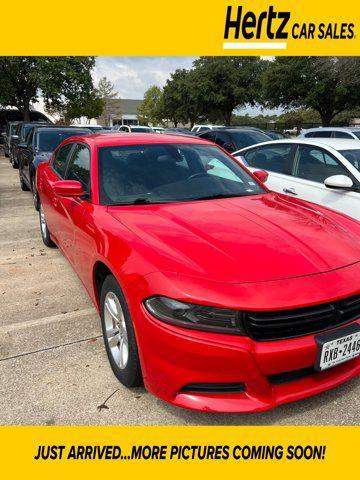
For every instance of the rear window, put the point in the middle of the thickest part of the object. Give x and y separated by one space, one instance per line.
245 139
48 140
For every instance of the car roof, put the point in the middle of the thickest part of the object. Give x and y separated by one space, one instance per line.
62 129
114 139
348 129
335 143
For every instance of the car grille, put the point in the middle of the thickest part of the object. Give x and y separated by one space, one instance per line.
282 324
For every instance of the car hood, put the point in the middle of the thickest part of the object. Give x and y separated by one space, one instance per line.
246 239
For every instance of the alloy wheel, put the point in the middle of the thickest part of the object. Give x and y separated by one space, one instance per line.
116 331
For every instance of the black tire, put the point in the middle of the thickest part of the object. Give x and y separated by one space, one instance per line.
45 234
6 154
35 193
23 185
130 374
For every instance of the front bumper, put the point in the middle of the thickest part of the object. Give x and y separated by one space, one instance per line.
174 357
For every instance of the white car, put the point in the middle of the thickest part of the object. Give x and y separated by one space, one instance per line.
291 131
332 132
204 128
323 171
133 129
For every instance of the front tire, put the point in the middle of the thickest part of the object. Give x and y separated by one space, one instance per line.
35 193
45 234
119 335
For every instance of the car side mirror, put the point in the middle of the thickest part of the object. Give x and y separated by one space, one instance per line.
229 147
68 188
339 182
22 145
261 175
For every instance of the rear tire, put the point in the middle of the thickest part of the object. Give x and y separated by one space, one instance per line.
45 234
119 335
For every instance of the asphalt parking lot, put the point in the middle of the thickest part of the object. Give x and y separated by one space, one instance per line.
53 367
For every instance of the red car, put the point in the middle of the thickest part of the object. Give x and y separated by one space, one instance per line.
217 293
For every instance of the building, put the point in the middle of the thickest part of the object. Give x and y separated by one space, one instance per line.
119 111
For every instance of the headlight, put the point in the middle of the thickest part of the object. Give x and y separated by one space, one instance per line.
198 317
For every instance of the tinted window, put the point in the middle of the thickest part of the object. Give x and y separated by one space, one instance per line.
210 135
275 158
79 166
356 133
169 173
141 129
60 159
353 156
203 129
315 164
245 139
49 139
320 134
223 139
342 135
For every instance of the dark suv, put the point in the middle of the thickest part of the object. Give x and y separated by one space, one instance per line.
40 143
20 136
9 131
233 139
13 115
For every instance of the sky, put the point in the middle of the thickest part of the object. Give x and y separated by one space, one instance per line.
132 76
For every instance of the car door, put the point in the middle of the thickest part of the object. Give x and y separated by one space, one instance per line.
78 169
26 156
312 165
50 201
276 159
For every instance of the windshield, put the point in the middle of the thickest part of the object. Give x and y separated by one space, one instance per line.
245 139
48 140
353 156
161 173
356 133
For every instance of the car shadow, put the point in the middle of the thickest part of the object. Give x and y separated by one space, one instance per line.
309 411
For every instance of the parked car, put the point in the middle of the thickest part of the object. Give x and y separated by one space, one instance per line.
232 139
332 132
158 129
324 171
178 130
204 128
291 131
19 136
133 128
276 135
222 295
9 131
13 115
38 148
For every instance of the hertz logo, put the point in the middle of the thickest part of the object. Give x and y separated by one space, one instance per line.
276 27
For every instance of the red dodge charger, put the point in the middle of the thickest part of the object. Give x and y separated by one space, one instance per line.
215 292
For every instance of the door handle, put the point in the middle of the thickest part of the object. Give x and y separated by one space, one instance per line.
290 190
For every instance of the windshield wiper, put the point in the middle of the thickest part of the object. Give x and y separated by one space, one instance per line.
140 201
220 195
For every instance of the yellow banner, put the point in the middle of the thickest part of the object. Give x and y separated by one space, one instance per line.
186 27
210 452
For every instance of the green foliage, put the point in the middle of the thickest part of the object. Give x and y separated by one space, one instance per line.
150 110
59 80
106 88
328 85
226 83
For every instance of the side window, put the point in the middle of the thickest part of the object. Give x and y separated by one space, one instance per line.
275 158
79 166
309 135
60 159
315 164
342 135
322 134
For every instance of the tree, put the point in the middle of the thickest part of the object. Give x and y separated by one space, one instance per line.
226 83
106 88
150 110
90 107
328 85
180 98
59 80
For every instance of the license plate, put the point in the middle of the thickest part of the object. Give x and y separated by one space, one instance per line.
337 346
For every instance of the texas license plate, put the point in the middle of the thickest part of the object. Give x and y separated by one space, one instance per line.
337 346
